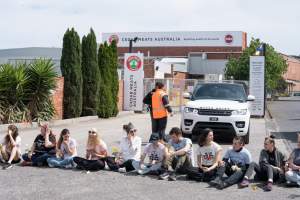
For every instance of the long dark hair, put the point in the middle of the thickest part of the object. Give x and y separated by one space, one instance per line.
63 132
203 136
14 134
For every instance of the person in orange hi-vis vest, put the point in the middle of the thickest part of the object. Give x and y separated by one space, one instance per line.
159 108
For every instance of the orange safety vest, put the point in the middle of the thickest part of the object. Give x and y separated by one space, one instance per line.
158 108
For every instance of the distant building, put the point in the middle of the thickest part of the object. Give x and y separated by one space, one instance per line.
206 52
27 55
292 75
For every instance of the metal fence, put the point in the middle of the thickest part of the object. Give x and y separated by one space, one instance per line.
175 89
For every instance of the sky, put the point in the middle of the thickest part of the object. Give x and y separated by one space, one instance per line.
42 23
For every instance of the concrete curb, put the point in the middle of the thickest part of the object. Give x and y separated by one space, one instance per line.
52 123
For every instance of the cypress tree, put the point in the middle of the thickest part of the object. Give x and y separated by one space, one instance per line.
105 93
71 70
90 75
114 77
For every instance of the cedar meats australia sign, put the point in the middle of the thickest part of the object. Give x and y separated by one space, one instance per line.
133 81
184 38
133 63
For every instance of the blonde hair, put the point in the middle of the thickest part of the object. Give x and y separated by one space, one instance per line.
93 141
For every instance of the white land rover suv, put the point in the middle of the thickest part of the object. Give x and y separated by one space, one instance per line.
223 107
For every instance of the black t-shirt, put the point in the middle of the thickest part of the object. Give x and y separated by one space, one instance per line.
39 144
272 160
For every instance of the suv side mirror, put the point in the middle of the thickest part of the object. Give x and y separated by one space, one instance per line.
250 98
187 95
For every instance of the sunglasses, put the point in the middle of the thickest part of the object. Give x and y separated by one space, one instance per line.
92 132
132 131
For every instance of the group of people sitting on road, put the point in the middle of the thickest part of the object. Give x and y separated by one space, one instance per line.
167 160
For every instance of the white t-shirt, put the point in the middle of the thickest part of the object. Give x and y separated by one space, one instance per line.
63 148
155 153
132 151
17 141
208 153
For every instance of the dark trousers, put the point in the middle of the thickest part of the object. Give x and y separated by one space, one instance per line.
233 176
159 126
90 165
114 166
263 172
197 174
128 165
38 159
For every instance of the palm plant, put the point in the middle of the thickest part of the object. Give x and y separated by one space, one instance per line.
25 91
42 81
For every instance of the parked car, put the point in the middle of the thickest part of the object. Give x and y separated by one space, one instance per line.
222 107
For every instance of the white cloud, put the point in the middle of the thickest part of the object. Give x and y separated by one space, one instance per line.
43 23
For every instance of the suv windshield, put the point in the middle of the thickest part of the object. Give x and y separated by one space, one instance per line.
223 91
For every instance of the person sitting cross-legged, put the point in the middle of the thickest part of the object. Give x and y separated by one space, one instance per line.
156 152
208 158
66 150
293 174
234 164
270 167
179 158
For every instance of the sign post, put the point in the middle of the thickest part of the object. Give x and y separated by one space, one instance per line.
133 81
257 85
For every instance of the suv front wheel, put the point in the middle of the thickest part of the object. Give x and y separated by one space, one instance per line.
246 137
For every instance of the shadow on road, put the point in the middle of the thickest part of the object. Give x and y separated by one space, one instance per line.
289 136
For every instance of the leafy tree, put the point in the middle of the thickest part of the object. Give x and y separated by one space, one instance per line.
275 65
90 74
114 77
72 73
105 106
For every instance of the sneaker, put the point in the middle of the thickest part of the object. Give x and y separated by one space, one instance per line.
2 161
172 177
7 166
50 165
268 187
69 166
222 185
164 176
215 182
244 183
122 170
140 172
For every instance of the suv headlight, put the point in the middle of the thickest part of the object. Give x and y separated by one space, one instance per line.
190 110
239 112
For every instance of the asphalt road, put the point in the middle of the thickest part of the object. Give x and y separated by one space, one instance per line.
286 119
45 183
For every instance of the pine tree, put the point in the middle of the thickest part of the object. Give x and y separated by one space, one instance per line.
71 70
114 77
90 75
105 106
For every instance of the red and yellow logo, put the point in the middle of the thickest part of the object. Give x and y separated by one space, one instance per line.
134 63
112 38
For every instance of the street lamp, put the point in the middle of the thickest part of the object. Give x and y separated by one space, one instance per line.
130 43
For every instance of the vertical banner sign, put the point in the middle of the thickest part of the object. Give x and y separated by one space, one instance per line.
133 81
257 84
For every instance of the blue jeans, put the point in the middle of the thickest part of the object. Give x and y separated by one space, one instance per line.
62 163
38 159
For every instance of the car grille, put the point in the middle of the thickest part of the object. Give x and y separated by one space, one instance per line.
217 127
214 112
